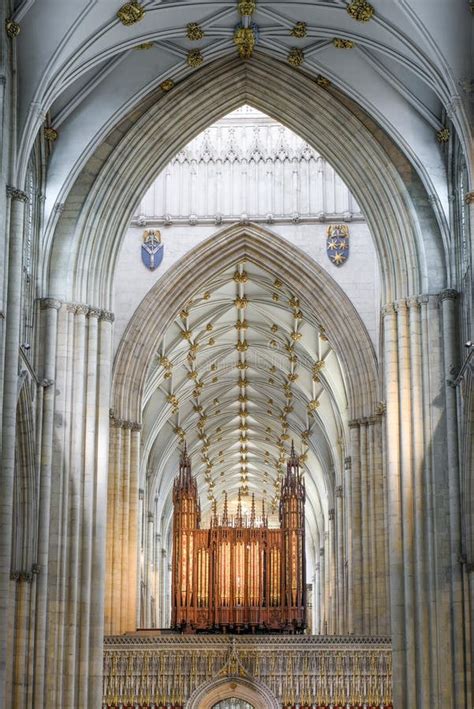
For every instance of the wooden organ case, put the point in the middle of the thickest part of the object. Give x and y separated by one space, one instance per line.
239 575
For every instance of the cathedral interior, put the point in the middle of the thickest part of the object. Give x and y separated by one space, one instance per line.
237 358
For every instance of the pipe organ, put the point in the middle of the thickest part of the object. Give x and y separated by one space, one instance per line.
239 575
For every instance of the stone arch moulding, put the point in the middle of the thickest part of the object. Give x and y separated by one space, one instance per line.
252 691
316 289
84 245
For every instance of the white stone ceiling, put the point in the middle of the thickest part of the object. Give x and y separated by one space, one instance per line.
240 374
81 70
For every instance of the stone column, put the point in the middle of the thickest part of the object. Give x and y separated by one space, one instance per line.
340 609
99 508
365 512
356 531
112 586
17 200
124 505
348 544
122 525
316 602
331 547
76 466
133 538
394 521
163 567
57 571
88 502
140 550
322 599
422 624
49 316
149 565
450 359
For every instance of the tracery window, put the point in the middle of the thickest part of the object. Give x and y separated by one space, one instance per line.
233 703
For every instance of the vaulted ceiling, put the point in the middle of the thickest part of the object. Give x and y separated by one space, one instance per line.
240 374
81 69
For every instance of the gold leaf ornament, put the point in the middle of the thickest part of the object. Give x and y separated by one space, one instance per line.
167 85
130 13
360 10
12 28
194 32
296 57
247 7
442 136
300 30
51 134
341 43
244 40
194 58
322 81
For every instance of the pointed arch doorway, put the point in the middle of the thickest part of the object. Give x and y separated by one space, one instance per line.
232 693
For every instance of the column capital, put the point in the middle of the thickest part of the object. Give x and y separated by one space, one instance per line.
469 198
387 309
50 304
380 408
122 423
16 195
80 308
448 294
400 305
94 313
107 316
413 302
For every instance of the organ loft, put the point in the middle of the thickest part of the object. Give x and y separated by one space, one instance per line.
239 575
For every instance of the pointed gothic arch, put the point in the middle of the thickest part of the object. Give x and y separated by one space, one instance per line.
84 241
317 293
316 289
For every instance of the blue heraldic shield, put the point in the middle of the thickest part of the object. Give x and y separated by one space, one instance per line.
337 243
152 249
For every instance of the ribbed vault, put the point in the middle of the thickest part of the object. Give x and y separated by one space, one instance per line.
86 239
235 354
